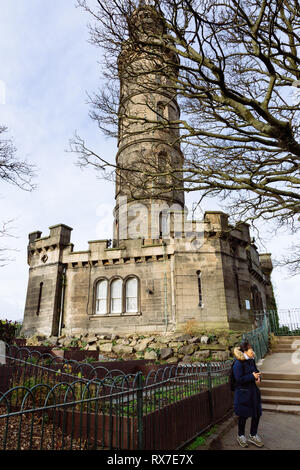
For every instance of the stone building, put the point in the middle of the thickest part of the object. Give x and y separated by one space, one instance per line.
161 270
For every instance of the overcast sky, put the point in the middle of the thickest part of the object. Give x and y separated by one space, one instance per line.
47 67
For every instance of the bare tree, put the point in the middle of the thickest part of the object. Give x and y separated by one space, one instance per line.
237 72
16 172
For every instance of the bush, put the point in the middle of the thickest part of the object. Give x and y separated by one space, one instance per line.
8 330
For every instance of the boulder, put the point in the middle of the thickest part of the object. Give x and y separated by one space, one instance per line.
183 337
106 347
204 340
202 355
194 340
122 349
187 350
164 339
186 360
172 360
143 344
166 353
220 355
150 355
175 344
91 339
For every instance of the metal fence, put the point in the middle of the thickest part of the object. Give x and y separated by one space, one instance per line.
282 322
259 337
163 410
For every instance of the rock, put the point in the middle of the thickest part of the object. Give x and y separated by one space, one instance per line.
194 340
114 337
164 339
213 347
175 344
106 347
220 355
201 355
150 355
125 341
187 350
91 339
122 349
143 344
103 358
166 353
172 360
93 347
186 360
133 343
53 340
204 339
183 337
57 352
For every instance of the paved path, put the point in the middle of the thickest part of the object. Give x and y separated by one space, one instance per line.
281 363
280 431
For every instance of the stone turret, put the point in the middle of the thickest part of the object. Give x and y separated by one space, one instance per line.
43 301
147 138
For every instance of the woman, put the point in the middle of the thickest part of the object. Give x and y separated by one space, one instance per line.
247 399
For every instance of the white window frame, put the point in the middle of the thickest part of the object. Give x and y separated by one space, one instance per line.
128 297
103 299
113 308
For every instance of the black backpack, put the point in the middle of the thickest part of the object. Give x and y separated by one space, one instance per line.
232 380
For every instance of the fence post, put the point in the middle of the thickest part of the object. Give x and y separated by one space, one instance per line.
209 382
140 411
2 353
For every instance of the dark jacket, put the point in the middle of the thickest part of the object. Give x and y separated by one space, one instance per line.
247 398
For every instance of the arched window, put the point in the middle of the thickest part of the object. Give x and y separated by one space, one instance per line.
101 297
164 224
200 289
116 296
131 292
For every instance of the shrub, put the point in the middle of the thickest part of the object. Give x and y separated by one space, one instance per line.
8 330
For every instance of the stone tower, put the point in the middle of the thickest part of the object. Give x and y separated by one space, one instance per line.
150 280
147 138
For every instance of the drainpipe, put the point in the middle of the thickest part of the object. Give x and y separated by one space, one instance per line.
165 286
62 300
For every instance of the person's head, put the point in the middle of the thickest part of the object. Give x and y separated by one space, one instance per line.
246 347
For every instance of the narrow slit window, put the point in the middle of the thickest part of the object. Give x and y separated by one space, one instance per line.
200 289
40 298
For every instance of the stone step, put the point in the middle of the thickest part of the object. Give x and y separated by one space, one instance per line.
283 350
283 392
278 399
289 337
286 339
293 409
275 376
294 384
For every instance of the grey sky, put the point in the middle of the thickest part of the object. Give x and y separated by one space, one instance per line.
47 66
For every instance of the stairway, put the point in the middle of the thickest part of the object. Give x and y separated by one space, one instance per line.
284 344
281 391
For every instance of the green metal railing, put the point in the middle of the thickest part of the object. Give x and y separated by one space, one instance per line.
259 338
114 412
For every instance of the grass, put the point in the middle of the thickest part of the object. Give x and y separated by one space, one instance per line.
201 440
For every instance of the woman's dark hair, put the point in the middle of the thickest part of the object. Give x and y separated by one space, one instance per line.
245 345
